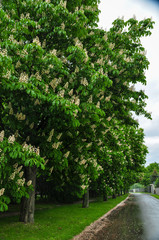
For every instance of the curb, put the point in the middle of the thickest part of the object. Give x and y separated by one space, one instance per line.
91 231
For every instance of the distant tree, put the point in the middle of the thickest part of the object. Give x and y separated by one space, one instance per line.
157 182
150 168
145 179
154 176
137 185
149 174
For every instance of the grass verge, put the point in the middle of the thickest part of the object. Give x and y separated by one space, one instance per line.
155 195
56 222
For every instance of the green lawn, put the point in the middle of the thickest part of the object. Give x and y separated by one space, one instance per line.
54 222
155 195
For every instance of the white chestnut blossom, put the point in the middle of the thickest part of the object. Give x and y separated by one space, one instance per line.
18 64
21 182
109 118
38 77
59 136
71 92
61 93
46 88
78 43
2 191
7 75
31 125
66 154
107 99
21 174
89 145
29 183
105 37
51 169
37 151
54 83
11 139
111 45
62 26
15 165
90 99
66 85
20 116
76 69
37 41
37 102
3 52
56 145
132 88
23 77
98 104
44 43
12 176
84 82
18 169
1 135
53 52
83 187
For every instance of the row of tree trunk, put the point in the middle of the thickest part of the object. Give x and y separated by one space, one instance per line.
28 204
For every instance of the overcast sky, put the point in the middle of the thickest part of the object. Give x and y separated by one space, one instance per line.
110 10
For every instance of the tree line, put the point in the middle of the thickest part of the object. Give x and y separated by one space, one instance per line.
67 98
150 175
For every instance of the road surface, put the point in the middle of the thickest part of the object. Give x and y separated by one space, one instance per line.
136 219
149 207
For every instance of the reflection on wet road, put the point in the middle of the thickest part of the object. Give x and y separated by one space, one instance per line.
126 223
149 207
136 218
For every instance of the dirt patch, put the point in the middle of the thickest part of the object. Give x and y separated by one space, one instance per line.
121 223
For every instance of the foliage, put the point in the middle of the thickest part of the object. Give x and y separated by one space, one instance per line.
157 182
149 174
67 96
137 185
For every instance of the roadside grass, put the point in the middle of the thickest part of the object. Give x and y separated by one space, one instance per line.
155 195
55 222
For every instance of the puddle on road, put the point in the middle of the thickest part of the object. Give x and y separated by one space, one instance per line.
126 223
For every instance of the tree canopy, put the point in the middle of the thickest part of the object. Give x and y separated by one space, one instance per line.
67 96
150 174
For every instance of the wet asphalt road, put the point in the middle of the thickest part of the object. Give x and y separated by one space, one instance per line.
126 223
137 220
149 210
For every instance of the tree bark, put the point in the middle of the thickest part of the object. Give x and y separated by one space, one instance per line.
114 195
28 204
105 196
85 203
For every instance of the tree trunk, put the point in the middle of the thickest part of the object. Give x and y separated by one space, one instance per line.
114 195
28 204
86 199
105 196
